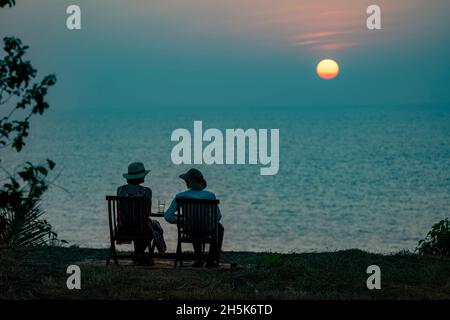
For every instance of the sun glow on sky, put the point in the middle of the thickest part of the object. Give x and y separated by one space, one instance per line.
327 69
234 53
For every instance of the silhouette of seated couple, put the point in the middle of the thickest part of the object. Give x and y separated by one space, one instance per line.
196 189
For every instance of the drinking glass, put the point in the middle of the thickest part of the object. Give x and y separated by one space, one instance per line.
161 206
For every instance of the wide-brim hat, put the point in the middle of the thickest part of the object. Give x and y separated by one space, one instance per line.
136 170
194 176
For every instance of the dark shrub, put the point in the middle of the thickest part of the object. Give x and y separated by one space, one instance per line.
437 241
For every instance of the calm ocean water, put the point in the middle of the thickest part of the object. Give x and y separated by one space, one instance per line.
374 178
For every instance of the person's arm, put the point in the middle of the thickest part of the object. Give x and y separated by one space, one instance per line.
169 215
219 214
148 195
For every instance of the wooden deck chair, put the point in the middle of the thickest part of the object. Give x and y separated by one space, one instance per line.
129 221
196 222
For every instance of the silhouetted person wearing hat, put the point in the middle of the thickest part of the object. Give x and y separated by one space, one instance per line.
135 176
196 185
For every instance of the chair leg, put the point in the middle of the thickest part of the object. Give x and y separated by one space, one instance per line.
181 257
109 256
114 252
178 256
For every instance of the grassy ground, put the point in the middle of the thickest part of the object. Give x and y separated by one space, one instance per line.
36 273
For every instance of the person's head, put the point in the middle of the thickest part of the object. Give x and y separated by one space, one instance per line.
136 181
194 179
136 173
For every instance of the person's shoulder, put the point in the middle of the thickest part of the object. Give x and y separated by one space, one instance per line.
199 194
120 189
209 194
183 194
146 191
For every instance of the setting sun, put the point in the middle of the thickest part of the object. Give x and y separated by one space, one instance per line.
327 69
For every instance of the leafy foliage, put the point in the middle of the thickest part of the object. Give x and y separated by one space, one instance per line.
21 98
437 241
23 226
10 3
15 77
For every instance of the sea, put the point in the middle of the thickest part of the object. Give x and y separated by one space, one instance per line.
369 177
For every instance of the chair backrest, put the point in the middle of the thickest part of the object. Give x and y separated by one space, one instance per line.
128 216
197 218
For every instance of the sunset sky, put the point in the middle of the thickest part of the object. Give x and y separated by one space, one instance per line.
236 53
